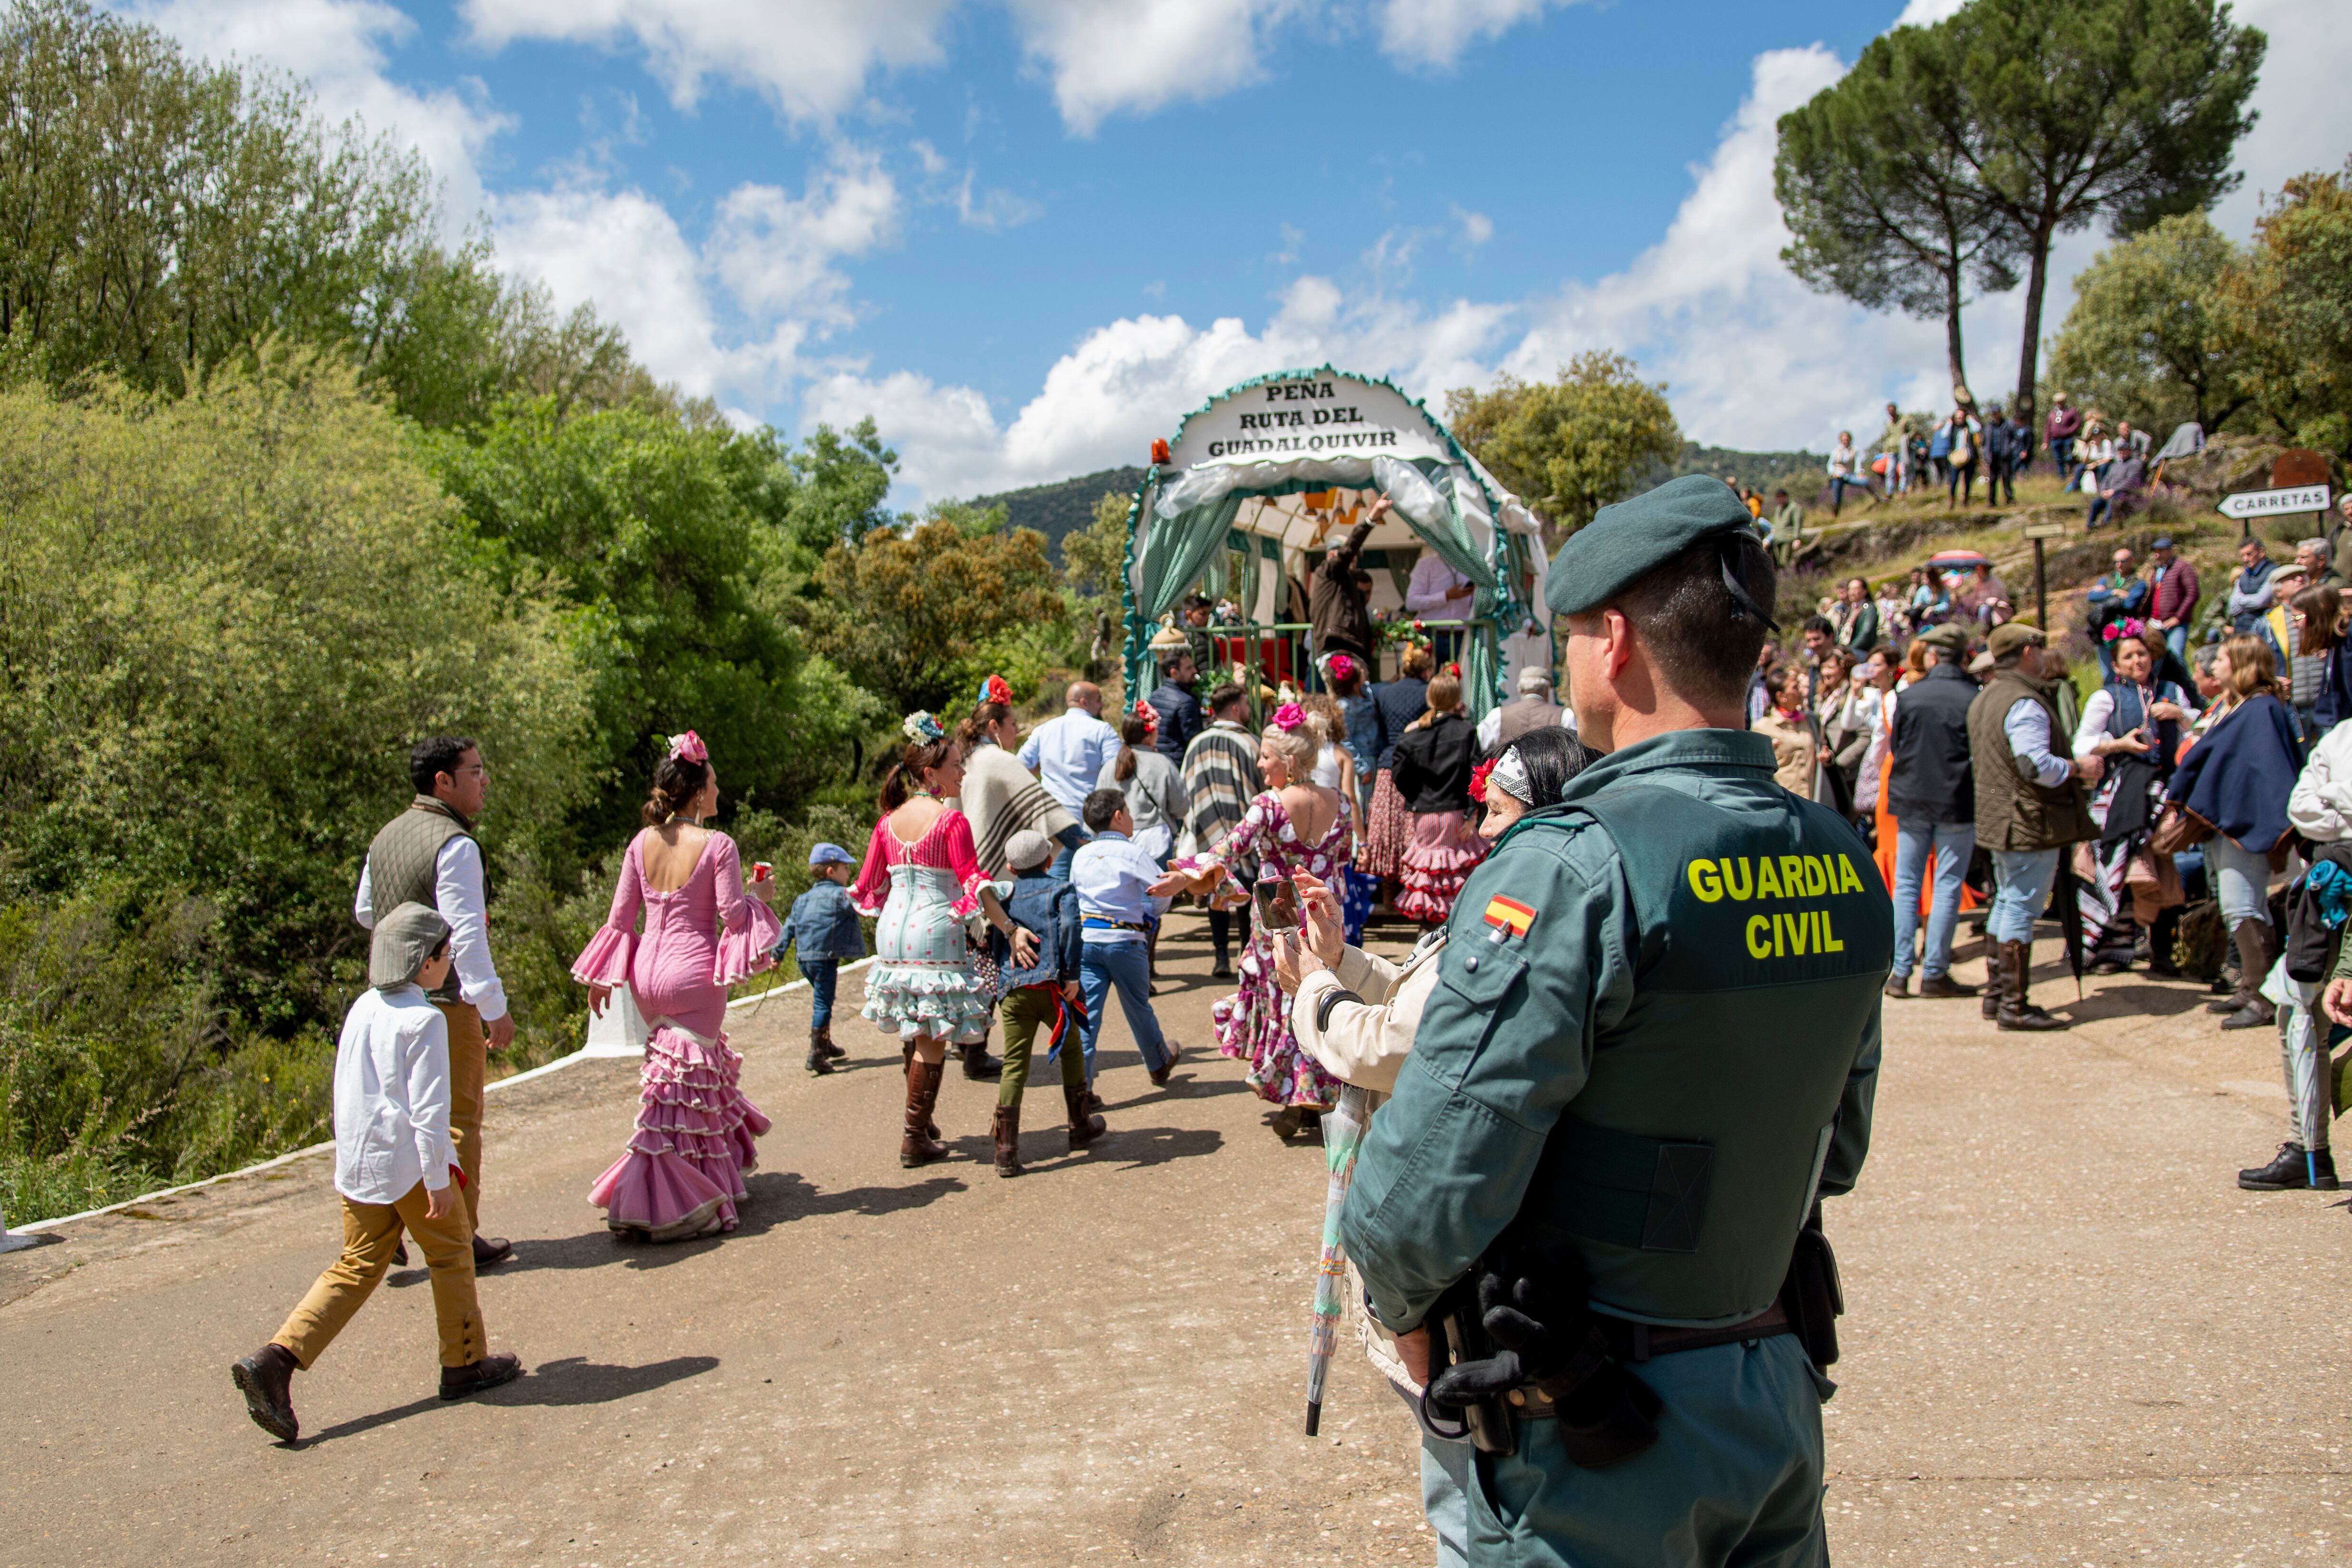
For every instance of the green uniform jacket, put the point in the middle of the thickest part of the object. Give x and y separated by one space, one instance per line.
1654 1038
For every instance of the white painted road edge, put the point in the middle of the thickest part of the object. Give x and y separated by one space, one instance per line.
40 1225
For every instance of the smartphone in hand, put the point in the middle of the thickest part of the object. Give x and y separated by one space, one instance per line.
1277 905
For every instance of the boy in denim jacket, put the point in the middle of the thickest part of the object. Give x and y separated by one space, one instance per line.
1046 994
824 926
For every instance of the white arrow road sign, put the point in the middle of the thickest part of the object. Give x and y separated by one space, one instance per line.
2266 503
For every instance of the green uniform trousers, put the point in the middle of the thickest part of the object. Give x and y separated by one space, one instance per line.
1025 1011
1734 1481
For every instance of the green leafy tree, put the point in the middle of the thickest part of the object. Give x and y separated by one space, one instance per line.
159 217
227 618
2148 339
1881 209
842 481
915 617
2292 300
1093 561
1570 446
650 532
2067 112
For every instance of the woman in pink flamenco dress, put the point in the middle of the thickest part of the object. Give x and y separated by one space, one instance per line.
682 1173
1296 825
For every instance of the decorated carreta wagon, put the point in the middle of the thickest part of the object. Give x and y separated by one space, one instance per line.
1260 482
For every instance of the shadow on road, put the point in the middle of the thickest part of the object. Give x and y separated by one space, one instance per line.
1137 1146
2117 1001
572 1380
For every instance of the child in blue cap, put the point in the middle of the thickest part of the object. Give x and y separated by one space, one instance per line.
824 926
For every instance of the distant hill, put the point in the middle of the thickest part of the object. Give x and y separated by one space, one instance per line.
1800 473
1063 506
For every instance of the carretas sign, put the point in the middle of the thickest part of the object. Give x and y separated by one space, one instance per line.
1321 413
2272 503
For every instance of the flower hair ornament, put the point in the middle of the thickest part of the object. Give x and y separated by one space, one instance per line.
1478 777
1147 713
923 729
1289 716
1342 667
994 690
688 748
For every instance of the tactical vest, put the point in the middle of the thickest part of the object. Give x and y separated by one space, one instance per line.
1683 1169
2013 812
403 865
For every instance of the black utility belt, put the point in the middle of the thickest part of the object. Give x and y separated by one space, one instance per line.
1636 1343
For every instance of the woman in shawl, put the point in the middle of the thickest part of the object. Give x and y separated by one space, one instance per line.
2236 781
2134 722
1000 797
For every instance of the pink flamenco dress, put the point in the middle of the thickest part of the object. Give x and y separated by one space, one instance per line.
683 1172
1253 1023
923 981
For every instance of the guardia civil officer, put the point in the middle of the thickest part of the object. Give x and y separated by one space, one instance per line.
1653 1045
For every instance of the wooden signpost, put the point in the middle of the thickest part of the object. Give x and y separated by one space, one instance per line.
2037 532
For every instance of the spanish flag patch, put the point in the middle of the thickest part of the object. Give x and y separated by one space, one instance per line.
1510 913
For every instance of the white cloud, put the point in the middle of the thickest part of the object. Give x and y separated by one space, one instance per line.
2306 115
1142 55
1926 13
340 48
1433 33
1477 228
810 58
775 253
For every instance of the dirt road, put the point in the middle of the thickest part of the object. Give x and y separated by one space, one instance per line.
2070 1338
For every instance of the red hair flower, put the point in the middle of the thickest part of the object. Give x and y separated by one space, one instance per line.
994 690
1147 713
1478 777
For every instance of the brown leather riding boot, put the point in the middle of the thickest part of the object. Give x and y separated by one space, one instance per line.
2017 1009
917 1145
1989 997
1006 1133
907 1049
1084 1125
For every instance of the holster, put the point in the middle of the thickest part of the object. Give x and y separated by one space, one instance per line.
1811 1295
1460 1337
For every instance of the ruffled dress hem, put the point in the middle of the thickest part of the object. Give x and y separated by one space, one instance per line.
683 1172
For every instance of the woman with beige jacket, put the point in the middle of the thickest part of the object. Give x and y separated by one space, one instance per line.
1355 1013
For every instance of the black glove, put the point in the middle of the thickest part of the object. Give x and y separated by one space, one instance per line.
1550 1339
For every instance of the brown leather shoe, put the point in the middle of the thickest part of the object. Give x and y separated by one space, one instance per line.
1175 1054
1944 985
456 1382
489 1249
266 1378
1898 987
1005 1131
1084 1125
918 1146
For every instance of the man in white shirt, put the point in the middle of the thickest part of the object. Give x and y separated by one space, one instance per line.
1067 754
428 855
395 1169
1122 894
1438 592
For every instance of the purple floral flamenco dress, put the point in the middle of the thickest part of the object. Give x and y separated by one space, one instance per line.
1253 1023
682 1175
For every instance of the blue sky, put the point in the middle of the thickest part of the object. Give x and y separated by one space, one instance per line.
1027 234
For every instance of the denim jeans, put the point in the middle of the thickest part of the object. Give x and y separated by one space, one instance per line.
1444 1496
2176 640
2022 880
1071 840
2062 453
1839 485
1951 843
823 975
1103 964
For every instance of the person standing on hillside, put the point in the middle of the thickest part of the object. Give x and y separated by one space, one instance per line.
428 855
2173 594
1337 609
1846 473
2030 805
2064 424
2250 588
2005 444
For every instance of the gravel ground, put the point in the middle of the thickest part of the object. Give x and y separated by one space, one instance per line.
2070 1338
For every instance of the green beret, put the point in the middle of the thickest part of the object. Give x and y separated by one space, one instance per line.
2010 636
1951 635
1609 554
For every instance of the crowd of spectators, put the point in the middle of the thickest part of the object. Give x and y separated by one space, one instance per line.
2189 810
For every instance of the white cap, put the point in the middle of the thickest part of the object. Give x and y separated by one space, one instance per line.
1027 850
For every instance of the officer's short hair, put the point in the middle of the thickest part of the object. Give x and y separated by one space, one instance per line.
1100 808
1695 633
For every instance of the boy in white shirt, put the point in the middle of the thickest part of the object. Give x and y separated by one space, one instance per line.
1122 893
396 1166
